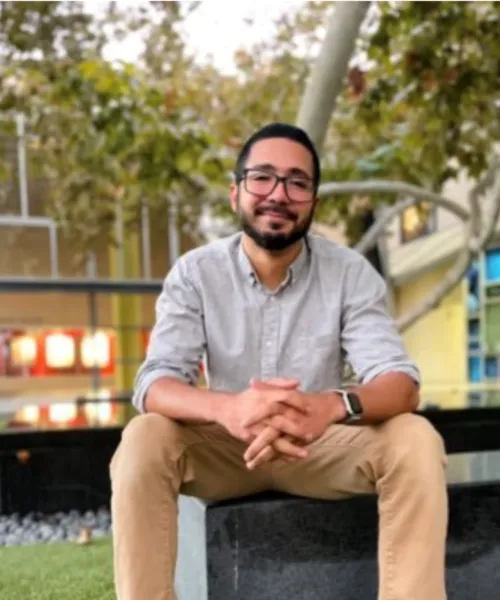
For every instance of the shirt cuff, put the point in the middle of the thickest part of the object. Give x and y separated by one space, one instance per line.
146 381
406 368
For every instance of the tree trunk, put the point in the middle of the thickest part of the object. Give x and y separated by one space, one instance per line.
325 83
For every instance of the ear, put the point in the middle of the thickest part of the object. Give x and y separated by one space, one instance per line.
233 196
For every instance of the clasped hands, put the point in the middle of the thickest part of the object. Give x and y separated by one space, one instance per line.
278 420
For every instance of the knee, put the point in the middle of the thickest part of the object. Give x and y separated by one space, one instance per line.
411 443
147 443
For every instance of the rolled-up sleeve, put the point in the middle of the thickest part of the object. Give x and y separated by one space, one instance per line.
370 340
177 342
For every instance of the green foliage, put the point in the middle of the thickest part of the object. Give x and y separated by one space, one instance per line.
433 93
267 86
109 142
423 108
426 107
35 31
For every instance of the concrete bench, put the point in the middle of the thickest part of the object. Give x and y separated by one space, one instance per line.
273 546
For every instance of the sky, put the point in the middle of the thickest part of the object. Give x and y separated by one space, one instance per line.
217 28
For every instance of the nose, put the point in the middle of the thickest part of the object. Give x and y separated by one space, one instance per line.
279 193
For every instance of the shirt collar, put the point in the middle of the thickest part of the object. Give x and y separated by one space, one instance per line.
293 271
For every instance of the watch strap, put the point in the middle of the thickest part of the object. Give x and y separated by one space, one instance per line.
352 414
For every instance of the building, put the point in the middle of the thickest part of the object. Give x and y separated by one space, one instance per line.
457 344
73 326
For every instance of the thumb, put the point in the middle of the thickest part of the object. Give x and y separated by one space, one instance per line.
257 383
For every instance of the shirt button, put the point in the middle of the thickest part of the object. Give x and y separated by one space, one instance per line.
268 343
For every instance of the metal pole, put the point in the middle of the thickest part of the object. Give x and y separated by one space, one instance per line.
22 164
25 221
146 242
96 374
120 239
91 265
93 317
54 259
173 232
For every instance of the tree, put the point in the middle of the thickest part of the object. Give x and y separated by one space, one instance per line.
107 134
267 85
35 33
418 111
375 130
111 144
329 71
452 87
268 81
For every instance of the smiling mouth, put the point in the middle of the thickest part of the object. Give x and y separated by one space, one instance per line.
276 214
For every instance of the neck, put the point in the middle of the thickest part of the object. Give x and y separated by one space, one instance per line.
270 267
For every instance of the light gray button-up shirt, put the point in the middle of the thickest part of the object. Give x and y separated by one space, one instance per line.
330 308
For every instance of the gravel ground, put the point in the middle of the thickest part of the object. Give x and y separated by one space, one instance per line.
34 528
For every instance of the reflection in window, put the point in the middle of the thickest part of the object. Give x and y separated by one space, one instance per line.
417 221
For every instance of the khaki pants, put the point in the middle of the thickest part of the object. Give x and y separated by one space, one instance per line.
402 460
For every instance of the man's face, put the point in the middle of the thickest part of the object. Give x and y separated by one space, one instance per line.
276 218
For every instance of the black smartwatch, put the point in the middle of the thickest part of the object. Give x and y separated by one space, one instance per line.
352 404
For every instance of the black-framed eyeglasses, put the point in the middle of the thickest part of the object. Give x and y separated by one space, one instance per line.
262 183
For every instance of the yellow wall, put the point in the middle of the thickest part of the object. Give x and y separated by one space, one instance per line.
438 341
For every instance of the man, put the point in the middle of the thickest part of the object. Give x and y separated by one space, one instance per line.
274 311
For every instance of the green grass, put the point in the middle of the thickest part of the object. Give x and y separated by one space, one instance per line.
59 571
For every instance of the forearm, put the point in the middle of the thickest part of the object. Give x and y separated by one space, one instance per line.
182 402
385 397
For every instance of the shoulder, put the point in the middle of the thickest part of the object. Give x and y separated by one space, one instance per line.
341 262
329 254
210 257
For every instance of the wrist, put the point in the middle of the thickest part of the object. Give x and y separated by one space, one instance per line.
336 407
218 406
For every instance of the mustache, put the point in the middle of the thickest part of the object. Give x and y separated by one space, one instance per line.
275 208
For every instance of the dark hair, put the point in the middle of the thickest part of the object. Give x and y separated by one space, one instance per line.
278 130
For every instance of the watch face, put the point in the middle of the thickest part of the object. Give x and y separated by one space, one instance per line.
355 403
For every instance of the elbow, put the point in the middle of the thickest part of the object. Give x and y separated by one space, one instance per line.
412 395
414 399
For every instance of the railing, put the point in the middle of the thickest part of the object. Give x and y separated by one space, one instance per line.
18 212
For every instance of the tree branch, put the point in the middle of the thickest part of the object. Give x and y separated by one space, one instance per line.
432 300
327 76
487 181
375 186
475 239
416 194
485 238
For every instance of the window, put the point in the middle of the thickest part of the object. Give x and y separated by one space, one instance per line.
417 221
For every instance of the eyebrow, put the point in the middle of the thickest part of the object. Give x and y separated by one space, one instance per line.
270 167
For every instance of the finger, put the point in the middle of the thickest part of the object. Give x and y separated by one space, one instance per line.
255 431
276 402
286 425
266 455
297 401
289 450
265 438
263 411
279 455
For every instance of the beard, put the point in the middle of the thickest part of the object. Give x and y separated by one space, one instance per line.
274 241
